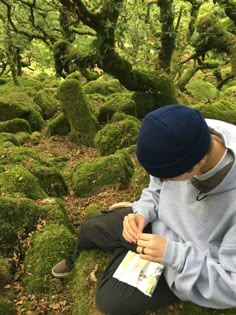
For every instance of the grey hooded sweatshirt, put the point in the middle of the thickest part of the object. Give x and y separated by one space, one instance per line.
200 257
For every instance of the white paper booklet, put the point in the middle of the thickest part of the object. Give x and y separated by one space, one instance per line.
139 273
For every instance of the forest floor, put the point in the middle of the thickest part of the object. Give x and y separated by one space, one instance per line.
62 147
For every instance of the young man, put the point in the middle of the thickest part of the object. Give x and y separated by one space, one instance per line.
185 219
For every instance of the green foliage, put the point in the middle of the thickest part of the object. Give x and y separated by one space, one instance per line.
89 178
15 125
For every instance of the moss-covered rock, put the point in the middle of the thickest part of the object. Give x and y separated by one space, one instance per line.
118 102
88 269
222 110
117 135
22 137
93 210
145 103
96 100
30 175
104 87
47 103
16 104
50 245
83 123
5 136
7 307
50 179
89 178
19 217
5 275
201 90
230 92
58 126
17 181
31 85
139 181
15 125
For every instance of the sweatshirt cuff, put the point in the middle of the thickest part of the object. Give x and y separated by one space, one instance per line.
174 255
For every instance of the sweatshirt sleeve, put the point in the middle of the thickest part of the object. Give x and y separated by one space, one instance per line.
148 203
201 279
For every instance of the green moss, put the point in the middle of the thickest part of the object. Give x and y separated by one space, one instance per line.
50 245
82 286
230 92
222 110
139 181
5 275
96 100
18 181
117 135
50 179
15 104
47 103
4 136
118 102
58 126
18 217
22 137
103 87
31 85
83 123
201 90
89 178
7 307
93 210
15 125
145 103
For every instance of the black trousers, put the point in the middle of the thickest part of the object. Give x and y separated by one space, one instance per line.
113 296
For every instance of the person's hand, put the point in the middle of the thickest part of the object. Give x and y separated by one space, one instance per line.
151 247
133 224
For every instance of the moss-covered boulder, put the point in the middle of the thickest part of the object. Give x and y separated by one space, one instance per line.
230 92
5 275
89 178
83 123
201 90
5 136
47 103
104 87
50 179
15 104
93 210
58 126
118 102
88 269
15 125
19 217
222 110
50 245
117 135
7 307
139 181
31 85
31 175
17 181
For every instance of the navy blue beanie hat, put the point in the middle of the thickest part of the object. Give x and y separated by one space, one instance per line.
172 139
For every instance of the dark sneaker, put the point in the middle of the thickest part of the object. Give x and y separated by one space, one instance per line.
61 270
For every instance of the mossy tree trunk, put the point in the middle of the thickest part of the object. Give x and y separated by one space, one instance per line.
159 85
229 8
167 35
83 123
213 36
